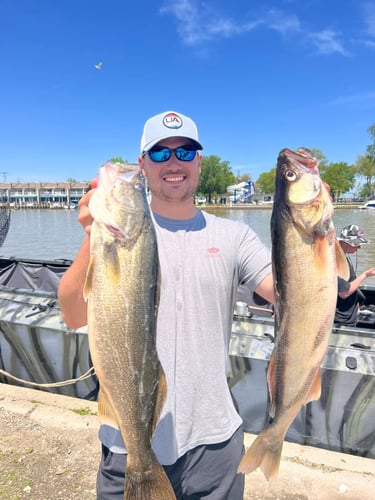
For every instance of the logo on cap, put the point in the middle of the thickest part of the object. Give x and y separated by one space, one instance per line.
171 120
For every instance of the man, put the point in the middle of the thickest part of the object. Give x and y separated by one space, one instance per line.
349 296
203 259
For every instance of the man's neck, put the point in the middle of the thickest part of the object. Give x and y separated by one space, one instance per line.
179 210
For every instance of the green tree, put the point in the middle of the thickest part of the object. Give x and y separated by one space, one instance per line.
365 167
215 177
371 147
340 177
320 156
118 159
266 182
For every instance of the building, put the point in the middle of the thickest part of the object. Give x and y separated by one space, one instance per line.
42 194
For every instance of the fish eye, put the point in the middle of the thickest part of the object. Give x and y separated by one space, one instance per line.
290 175
139 186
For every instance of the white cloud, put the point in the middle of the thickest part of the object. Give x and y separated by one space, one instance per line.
365 97
186 14
369 43
199 22
327 42
369 13
283 23
367 38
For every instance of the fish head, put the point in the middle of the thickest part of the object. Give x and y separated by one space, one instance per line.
119 203
300 192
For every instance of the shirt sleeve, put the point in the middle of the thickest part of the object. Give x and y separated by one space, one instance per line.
254 259
343 285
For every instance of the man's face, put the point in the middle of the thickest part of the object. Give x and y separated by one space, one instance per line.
174 179
348 248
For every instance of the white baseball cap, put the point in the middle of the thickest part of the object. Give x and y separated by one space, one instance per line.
168 124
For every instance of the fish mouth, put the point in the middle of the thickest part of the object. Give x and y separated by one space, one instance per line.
301 175
302 159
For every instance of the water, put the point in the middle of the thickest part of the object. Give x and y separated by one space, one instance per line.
43 234
364 258
56 234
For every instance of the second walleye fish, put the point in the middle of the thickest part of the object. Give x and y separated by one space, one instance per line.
122 291
306 259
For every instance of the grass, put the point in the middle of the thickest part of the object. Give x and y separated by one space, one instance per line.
83 411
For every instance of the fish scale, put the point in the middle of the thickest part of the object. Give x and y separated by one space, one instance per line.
122 287
306 259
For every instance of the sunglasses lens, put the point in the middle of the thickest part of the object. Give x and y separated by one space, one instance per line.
159 155
185 154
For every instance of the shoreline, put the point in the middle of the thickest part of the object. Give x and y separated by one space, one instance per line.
269 206
49 449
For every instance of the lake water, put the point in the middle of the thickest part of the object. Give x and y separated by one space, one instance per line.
56 234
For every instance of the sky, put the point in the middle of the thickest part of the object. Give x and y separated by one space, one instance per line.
255 75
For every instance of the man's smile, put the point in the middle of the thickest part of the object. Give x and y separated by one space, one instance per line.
174 178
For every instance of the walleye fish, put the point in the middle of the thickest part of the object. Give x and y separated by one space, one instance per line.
305 268
122 292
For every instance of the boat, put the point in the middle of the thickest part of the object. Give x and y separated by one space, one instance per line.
73 205
38 350
4 223
36 346
343 419
369 204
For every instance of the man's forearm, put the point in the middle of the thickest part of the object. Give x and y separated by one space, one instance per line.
70 292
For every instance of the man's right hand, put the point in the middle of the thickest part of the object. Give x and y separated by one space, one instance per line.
84 216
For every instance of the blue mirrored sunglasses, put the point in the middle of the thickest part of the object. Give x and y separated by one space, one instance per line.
160 154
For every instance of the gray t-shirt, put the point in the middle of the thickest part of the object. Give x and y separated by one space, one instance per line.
202 263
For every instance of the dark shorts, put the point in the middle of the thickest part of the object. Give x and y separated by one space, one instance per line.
208 472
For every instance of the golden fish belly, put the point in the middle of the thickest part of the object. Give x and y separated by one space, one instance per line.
304 316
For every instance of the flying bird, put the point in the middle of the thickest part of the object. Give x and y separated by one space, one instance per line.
99 65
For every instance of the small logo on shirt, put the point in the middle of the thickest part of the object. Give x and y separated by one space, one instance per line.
213 250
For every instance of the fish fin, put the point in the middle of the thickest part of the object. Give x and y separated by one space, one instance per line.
106 413
342 265
271 373
315 389
265 452
321 249
153 483
89 277
160 399
113 268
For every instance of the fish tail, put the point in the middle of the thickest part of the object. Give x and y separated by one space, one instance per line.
151 485
265 452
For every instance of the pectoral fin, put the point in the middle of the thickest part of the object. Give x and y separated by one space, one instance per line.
89 277
271 383
161 397
315 389
106 413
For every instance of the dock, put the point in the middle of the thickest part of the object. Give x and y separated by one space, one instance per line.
49 449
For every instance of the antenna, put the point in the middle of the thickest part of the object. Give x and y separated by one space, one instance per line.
4 174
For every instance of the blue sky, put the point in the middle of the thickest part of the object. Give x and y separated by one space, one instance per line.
256 76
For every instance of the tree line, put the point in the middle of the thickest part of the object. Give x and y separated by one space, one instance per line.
217 175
